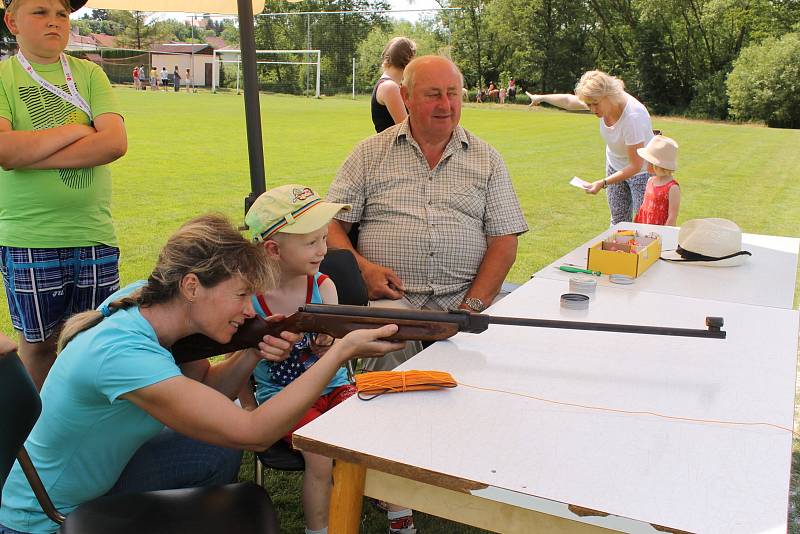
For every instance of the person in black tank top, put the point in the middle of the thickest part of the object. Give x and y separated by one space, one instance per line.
381 117
386 104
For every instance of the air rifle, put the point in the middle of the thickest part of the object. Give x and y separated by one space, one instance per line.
419 325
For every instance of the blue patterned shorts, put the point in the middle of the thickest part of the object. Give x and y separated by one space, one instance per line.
45 286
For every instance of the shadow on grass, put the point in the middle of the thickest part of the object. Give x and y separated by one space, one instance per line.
285 488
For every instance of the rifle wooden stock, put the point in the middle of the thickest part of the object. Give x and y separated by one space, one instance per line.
336 321
413 325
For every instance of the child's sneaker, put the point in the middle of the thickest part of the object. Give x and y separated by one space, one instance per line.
402 525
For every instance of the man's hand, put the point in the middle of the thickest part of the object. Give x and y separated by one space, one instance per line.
382 282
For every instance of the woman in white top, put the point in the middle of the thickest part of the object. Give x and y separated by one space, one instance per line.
625 126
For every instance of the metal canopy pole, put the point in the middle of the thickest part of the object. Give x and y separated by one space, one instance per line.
252 108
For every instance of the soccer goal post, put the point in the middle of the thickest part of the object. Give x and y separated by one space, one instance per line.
306 57
117 63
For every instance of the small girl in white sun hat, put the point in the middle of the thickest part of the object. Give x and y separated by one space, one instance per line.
662 198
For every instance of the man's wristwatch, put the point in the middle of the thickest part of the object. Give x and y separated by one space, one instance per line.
474 304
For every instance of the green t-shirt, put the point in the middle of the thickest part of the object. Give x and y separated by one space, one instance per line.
57 207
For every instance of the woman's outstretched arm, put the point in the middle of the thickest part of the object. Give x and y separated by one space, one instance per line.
563 101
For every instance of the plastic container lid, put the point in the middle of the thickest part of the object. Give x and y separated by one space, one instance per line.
574 301
621 279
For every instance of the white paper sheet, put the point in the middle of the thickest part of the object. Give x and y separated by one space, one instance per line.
577 182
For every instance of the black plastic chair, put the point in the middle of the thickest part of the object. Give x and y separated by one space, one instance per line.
341 266
241 508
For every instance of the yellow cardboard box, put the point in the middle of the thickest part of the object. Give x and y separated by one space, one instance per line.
614 255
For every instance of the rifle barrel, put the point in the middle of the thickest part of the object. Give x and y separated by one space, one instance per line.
477 322
712 332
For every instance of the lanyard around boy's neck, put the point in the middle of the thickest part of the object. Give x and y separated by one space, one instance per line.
73 97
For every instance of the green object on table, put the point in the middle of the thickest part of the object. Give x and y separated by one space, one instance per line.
569 269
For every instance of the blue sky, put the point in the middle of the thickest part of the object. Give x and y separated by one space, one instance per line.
396 4
416 4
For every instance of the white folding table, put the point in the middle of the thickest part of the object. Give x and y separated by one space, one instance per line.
506 459
767 278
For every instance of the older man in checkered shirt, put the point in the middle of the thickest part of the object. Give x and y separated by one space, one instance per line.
438 216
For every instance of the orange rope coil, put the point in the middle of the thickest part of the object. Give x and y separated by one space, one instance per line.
374 384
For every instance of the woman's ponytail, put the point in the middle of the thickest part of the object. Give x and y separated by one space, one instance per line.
85 320
77 324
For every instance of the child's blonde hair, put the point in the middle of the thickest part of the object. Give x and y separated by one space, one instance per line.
280 239
661 171
596 84
13 7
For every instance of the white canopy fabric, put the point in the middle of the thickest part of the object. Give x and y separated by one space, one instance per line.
221 7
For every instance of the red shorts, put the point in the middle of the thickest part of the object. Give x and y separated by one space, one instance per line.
323 404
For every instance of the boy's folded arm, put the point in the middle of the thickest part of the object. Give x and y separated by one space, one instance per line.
107 144
23 148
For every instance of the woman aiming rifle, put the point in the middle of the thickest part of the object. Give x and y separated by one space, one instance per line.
115 384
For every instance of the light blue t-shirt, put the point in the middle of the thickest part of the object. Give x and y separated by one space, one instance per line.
266 387
86 434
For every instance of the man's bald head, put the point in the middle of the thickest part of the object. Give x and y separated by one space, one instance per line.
431 91
435 62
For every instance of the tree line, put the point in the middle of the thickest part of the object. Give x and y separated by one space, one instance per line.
676 55
716 59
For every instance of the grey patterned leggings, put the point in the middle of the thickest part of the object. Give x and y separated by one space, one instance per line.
625 198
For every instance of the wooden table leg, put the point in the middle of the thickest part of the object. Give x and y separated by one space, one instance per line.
347 498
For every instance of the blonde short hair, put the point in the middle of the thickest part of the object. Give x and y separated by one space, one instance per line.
596 84
661 171
13 7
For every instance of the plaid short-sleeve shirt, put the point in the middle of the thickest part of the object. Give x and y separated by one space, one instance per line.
428 225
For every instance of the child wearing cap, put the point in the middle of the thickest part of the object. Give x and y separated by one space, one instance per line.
59 126
292 223
662 198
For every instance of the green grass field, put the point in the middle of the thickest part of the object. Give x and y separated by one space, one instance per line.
188 155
